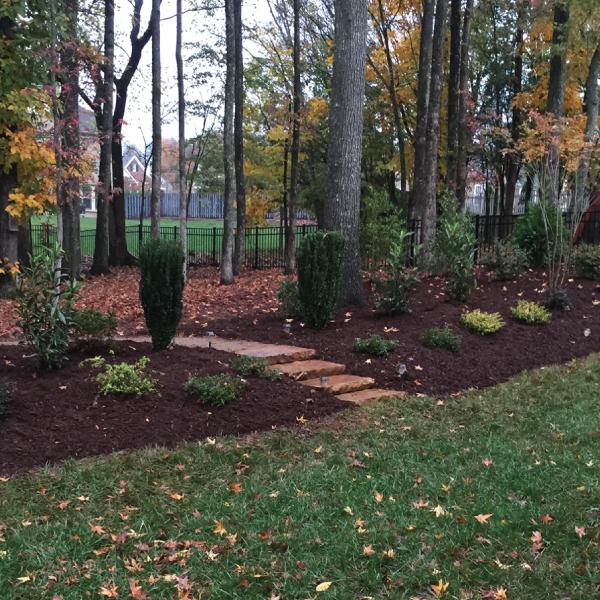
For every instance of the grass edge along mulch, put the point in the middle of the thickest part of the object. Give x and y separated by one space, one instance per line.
494 494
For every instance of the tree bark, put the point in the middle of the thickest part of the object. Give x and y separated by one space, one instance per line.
156 123
453 92
229 209
238 133
181 144
9 231
290 237
342 210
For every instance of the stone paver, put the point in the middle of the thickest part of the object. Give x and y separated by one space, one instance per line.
275 354
369 396
341 384
310 369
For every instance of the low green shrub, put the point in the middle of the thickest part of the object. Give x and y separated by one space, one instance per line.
93 326
216 390
375 345
441 337
586 260
531 313
482 322
248 366
123 379
320 267
288 299
505 259
5 400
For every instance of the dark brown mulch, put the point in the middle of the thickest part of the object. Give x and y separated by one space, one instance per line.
58 414
482 361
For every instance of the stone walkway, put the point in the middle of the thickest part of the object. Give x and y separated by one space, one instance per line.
298 363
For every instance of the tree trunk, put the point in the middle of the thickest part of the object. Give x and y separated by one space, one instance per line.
424 79
453 92
229 209
100 264
24 243
342 210
181 145
156 123
238 134
290 237
9 232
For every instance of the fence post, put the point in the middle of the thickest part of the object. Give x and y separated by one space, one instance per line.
174 233
214 246
256 249
476 238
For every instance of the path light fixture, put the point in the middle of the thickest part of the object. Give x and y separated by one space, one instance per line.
401 372
211 335
324 381
287 328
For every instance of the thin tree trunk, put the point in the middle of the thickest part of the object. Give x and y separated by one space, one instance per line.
238 133
290 237
453 92
342 210
229 208
156 123
9 231
181 145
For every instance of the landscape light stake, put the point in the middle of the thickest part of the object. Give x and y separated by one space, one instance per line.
211 335
324 381
401 370
287 328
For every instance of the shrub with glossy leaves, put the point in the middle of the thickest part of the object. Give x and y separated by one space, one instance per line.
93 326
531 313
482 322
288 299
216 390
586 260
505 259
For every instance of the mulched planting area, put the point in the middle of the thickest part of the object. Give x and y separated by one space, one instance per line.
59 414
482 360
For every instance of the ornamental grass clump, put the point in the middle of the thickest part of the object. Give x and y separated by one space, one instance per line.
482 322
531 313
249 366
441 337
215 390
375 345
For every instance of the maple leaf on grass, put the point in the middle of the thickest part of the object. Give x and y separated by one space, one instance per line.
483 518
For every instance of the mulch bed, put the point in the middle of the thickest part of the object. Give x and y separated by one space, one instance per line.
482 361
58 414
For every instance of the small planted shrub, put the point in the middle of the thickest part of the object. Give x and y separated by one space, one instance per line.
586 260
374 345
5 400
320 265
216 390
161 289
288 299
505 259
482 322
45 306
392 293
93 326
248 366
531 313
441 337
124 379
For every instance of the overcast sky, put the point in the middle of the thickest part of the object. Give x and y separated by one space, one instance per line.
197 27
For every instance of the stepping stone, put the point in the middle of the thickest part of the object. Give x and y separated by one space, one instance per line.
310 369
370 396
341 384
275 354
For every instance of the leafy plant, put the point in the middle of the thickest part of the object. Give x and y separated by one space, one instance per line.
539 231
216 390
123 378
505 259
161 289
392 293
288 298
454 251
45 306
320 266
93 326
249 366
5 400
441 337
586 260
375 345
531 313
482 322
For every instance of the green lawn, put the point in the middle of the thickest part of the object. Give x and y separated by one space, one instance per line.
89 223
375 504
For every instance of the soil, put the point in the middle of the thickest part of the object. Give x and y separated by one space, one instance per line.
482 360
58 414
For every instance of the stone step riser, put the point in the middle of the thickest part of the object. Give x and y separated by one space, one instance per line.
370 396
341 384
310 369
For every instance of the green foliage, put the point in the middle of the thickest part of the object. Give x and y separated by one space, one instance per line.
248 366
540 231
375 345
5 400
320 267
93 326
216 390
288 298
531 313
505 259
124 379
454 251
161 289
45 305
392 293
441 337
557 298
586 260
482 322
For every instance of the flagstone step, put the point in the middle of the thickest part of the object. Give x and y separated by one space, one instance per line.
310 369
341 384
369 396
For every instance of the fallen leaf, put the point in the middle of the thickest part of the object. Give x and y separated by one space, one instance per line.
219 529
483 518
439 588
368 550
580 531
323 587
235 487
